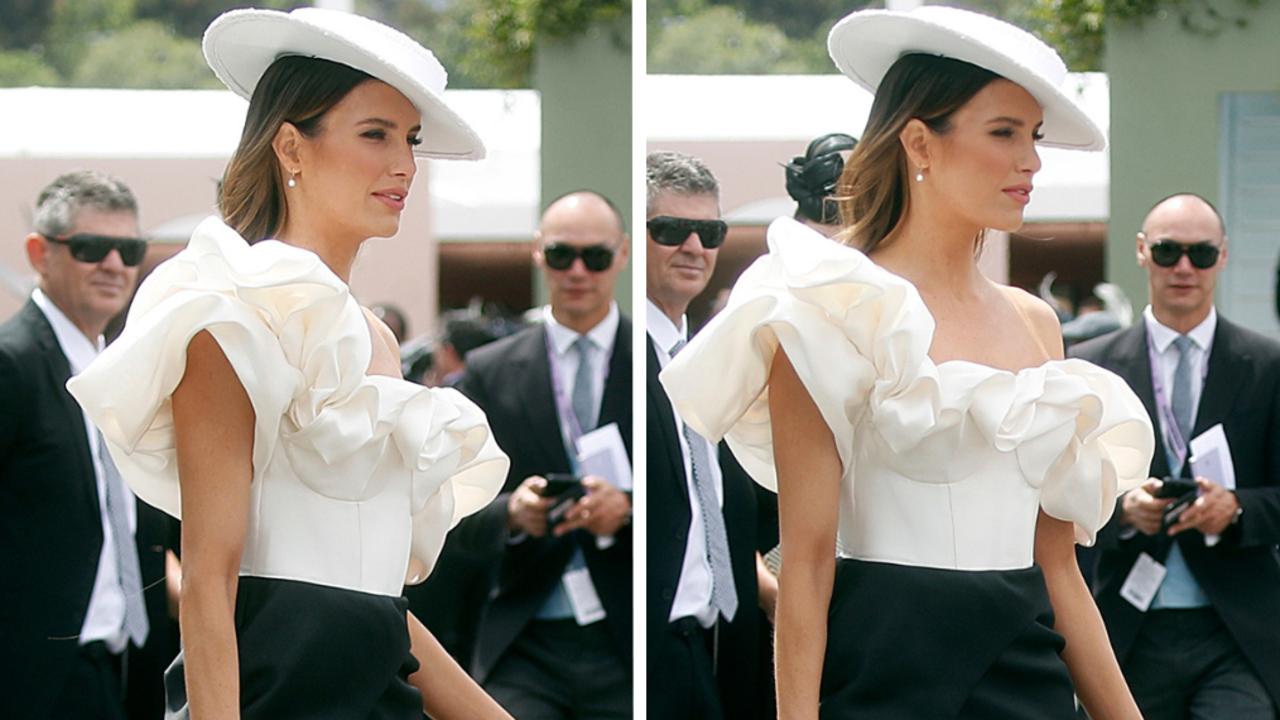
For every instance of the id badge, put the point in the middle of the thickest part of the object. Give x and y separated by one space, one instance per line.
1143 581
586 604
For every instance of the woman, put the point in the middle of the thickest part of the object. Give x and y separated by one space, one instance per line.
253 397
918 418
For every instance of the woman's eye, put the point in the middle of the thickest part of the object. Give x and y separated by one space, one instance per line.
1037 136
415 141
374 134
1003 132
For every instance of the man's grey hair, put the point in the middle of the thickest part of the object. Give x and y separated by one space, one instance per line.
69 193
679 174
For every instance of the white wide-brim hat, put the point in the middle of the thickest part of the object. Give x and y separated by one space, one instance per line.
866 43
241 44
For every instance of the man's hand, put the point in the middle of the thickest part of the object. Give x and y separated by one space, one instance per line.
1141 510
768 589
602 511
527 509
1211 513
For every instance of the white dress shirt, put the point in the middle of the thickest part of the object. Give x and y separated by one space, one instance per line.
1201 336
104 619
693 592
562 338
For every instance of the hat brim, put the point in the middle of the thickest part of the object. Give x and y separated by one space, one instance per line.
866 44
240 45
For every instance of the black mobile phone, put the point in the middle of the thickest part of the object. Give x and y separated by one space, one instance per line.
1172 487
564 489
560 483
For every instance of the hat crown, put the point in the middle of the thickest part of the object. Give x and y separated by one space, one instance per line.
402 51
1005 38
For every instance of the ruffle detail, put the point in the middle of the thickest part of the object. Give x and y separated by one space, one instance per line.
858 337
300 345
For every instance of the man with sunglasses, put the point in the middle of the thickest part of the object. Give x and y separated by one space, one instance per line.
554 632
1190 600
70 530
705 574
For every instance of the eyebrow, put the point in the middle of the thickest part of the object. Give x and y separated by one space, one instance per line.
383 122
1008 119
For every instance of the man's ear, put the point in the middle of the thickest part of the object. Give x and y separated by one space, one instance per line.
538 260
37 252
1142 249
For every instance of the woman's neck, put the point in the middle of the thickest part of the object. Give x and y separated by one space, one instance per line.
936 255
337 252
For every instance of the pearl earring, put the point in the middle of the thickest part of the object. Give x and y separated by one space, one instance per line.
920 175
292 181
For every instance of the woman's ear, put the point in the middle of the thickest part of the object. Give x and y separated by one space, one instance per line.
287 145
916 139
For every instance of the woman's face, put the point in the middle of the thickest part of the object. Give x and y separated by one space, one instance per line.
985 163
356 172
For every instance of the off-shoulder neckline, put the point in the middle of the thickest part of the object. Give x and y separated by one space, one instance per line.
933 322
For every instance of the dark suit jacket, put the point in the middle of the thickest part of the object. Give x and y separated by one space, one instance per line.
1241 575
511 381
668 517
50 526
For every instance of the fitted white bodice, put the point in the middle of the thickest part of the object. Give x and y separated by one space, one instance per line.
945 465
356 478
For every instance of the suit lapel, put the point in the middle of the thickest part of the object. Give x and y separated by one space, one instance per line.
58 371
540 402
1133 363
615 405
666 418
1229 370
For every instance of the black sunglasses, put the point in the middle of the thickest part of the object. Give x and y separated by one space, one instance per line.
90 248
1167 253
673 231
560 256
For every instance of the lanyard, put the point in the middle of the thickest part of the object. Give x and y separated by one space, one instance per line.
1174 442
563 407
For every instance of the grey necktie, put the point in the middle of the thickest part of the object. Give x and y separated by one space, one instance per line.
135 609
724 596
1183 412
583 397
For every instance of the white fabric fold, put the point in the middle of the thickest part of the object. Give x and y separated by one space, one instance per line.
858 336
300 345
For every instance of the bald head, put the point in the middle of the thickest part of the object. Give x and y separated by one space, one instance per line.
582 206
576 228
1185 207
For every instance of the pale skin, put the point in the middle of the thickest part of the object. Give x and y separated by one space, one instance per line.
975 174
344 174
675 275
580 300
1181 298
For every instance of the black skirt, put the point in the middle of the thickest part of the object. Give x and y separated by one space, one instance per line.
313 651
924 643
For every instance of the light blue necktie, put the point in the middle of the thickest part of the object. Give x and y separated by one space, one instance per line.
1183 412
584 406
724 596
130 575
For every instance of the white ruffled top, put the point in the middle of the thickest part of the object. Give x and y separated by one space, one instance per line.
353 474
946 464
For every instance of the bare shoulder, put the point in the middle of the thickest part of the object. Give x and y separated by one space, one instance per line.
383 332
1044 321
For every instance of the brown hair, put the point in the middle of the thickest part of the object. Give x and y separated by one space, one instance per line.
873 195
296 90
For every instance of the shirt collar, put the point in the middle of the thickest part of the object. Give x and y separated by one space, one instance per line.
78 349
602 335
1163 336
665 334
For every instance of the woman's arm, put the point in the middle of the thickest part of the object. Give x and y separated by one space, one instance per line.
809 471
1088 654
213 427
448 693
1092 663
